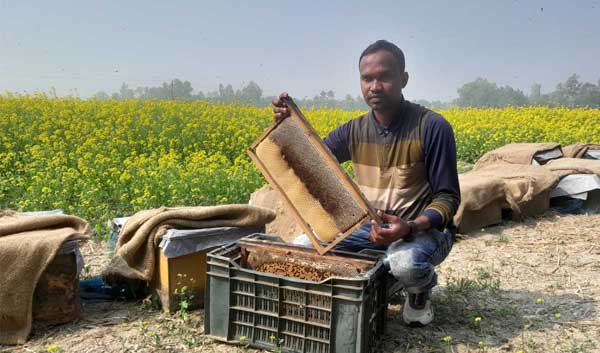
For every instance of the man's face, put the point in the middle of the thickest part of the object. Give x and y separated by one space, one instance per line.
381 80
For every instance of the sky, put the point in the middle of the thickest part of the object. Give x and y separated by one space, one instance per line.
302 47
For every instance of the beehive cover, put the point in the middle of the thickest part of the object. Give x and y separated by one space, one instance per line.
320 195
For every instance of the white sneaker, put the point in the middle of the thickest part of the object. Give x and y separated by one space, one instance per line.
417 310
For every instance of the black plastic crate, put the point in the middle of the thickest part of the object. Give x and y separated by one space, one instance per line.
262 310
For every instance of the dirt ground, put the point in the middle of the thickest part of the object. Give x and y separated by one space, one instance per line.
524 287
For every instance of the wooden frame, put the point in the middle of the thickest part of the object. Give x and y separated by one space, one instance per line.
348 184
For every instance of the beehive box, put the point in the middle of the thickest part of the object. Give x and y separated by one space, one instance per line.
268 311
56 296
323 199
181 263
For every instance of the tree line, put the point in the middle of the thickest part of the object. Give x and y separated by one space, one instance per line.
250 94
478 93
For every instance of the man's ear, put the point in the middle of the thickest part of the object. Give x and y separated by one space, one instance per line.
404 79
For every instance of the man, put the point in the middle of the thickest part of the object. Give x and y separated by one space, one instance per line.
404 158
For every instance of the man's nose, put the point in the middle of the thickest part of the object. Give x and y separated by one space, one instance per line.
376 85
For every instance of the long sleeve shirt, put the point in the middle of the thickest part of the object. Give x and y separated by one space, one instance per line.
407 169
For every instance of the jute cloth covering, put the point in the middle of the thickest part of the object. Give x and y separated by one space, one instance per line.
566 166
523 182
577 150
135 252
514 153
27 245
482 199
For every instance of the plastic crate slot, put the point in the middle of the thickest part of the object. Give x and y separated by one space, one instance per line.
316 347
265 321
242 331
267 305
243 301
293 296
319 301
318 316
243 287
264 334
293 327
293 310
243 316
320 333
267 292
291 342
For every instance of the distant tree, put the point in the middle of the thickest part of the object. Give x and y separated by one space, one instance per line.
573 93
510 96
251 94
100 96
483 93
226 93
535 96
125 92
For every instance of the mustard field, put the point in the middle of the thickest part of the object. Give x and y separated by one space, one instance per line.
99 160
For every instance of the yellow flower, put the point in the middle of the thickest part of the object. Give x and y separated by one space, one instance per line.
447 339
540 300
53 348
477 319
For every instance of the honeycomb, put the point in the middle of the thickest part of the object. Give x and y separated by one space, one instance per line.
308 182
294 270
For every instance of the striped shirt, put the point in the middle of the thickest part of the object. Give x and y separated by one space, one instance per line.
406 169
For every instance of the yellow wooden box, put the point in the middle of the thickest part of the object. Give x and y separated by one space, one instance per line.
180 273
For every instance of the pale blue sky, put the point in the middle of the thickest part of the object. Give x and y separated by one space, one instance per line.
300 47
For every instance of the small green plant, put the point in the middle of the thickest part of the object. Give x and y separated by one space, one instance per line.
278 344
244 341
448 341
54 348
183 295
156 337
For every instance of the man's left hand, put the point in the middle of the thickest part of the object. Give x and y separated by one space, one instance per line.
398 229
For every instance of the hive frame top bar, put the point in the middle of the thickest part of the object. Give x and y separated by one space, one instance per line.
317 142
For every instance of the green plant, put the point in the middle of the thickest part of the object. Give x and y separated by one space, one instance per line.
184 296
278 344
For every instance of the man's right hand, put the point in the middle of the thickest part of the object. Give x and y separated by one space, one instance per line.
280 109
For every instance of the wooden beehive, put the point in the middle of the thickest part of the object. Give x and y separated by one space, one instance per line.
182 277
175 274
320 195
56 296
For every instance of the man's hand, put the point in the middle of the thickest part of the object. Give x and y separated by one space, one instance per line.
280 109
398 229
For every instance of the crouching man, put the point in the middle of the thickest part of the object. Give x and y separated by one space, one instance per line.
404 157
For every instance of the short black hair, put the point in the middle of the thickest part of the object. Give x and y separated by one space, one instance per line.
390 47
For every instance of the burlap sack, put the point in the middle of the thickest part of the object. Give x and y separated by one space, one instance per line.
482 199
578 150
565 166
135 256
27 245
514 153
528 185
